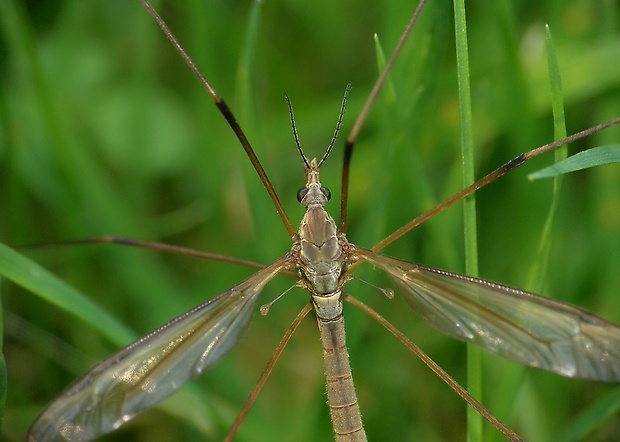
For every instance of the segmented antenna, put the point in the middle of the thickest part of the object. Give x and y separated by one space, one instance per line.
334 137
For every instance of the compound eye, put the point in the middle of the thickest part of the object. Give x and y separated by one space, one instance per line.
301 193
325 191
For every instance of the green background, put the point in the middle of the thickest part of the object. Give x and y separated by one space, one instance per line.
105 131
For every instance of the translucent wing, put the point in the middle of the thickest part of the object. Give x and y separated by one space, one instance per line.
527 328
152 368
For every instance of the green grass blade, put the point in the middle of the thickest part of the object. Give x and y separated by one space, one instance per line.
245 69
539 266
585 422
36 279
597 156
389 91
3 372
536 422
474 356
31 276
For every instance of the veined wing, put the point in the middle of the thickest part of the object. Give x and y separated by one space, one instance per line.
527 328
152 368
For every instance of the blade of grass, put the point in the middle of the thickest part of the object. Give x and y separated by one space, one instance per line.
389 91
597 156
245 69
474 358
595 415
539 268
535 423
3 372
36 279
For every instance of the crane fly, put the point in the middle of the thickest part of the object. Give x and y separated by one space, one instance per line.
532 330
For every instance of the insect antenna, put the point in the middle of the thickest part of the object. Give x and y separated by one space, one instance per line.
294 127
334 137
340 116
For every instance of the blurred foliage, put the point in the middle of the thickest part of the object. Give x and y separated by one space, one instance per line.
104 130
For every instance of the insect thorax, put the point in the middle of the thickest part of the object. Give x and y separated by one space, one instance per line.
321 255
